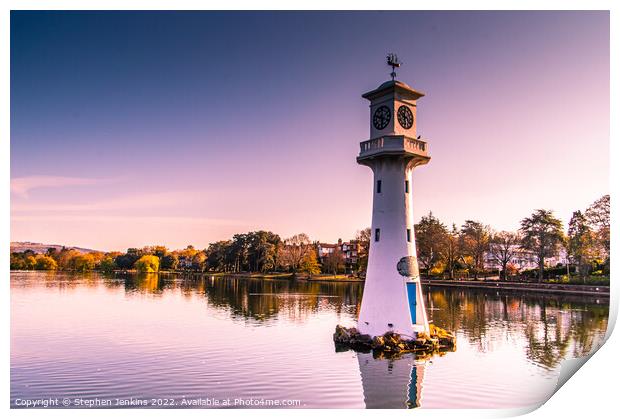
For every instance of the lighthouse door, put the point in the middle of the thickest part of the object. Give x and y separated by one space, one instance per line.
411 296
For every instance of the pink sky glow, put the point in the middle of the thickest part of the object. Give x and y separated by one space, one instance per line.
516 115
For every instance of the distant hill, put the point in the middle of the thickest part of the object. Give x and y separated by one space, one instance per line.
42 248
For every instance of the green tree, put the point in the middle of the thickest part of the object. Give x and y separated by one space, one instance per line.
430 236
542 234
128 260
219 256
266 256
147 263
17 262
239 250
262 249
107 264
169 262
474 242
46 263
53 253
25 260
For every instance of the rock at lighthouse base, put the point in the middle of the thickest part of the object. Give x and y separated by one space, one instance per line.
392 343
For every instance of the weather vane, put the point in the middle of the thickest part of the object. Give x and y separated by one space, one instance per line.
392 60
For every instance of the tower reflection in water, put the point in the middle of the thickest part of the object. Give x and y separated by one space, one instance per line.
391 383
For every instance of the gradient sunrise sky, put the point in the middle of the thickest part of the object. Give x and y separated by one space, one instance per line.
176 128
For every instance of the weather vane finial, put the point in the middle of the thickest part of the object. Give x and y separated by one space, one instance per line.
392 60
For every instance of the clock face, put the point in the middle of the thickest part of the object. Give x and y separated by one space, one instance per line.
405 117
382 117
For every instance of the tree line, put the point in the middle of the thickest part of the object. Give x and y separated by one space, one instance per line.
443 250
440 250
258 251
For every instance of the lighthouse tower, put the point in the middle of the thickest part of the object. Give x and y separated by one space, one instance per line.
392 298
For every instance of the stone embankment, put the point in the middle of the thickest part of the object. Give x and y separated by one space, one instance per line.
391 343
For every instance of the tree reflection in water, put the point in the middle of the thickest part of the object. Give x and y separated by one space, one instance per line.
554 327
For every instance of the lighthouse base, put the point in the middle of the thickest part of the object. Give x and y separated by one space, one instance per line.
392 344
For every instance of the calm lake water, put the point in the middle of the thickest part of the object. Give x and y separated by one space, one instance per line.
187 342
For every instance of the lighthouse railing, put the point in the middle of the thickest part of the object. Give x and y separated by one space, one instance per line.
393 143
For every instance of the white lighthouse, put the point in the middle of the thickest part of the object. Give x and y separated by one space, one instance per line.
392 298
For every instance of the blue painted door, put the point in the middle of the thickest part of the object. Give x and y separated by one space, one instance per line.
411 296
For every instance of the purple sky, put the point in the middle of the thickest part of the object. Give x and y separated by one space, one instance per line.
138 128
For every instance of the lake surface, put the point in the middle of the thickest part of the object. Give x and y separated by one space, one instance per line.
175 341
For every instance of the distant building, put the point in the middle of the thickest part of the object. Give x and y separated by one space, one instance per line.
524 260
561 258
325 250
349 251
185 262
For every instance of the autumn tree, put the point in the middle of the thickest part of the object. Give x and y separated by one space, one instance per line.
83 262
430 235
66 259
188 252
503 246
147 263
295 250
157 250
199 261
334 262
30 262
46 263
309 263
363 238
581 243
451 253
598 218
474 242
541 234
